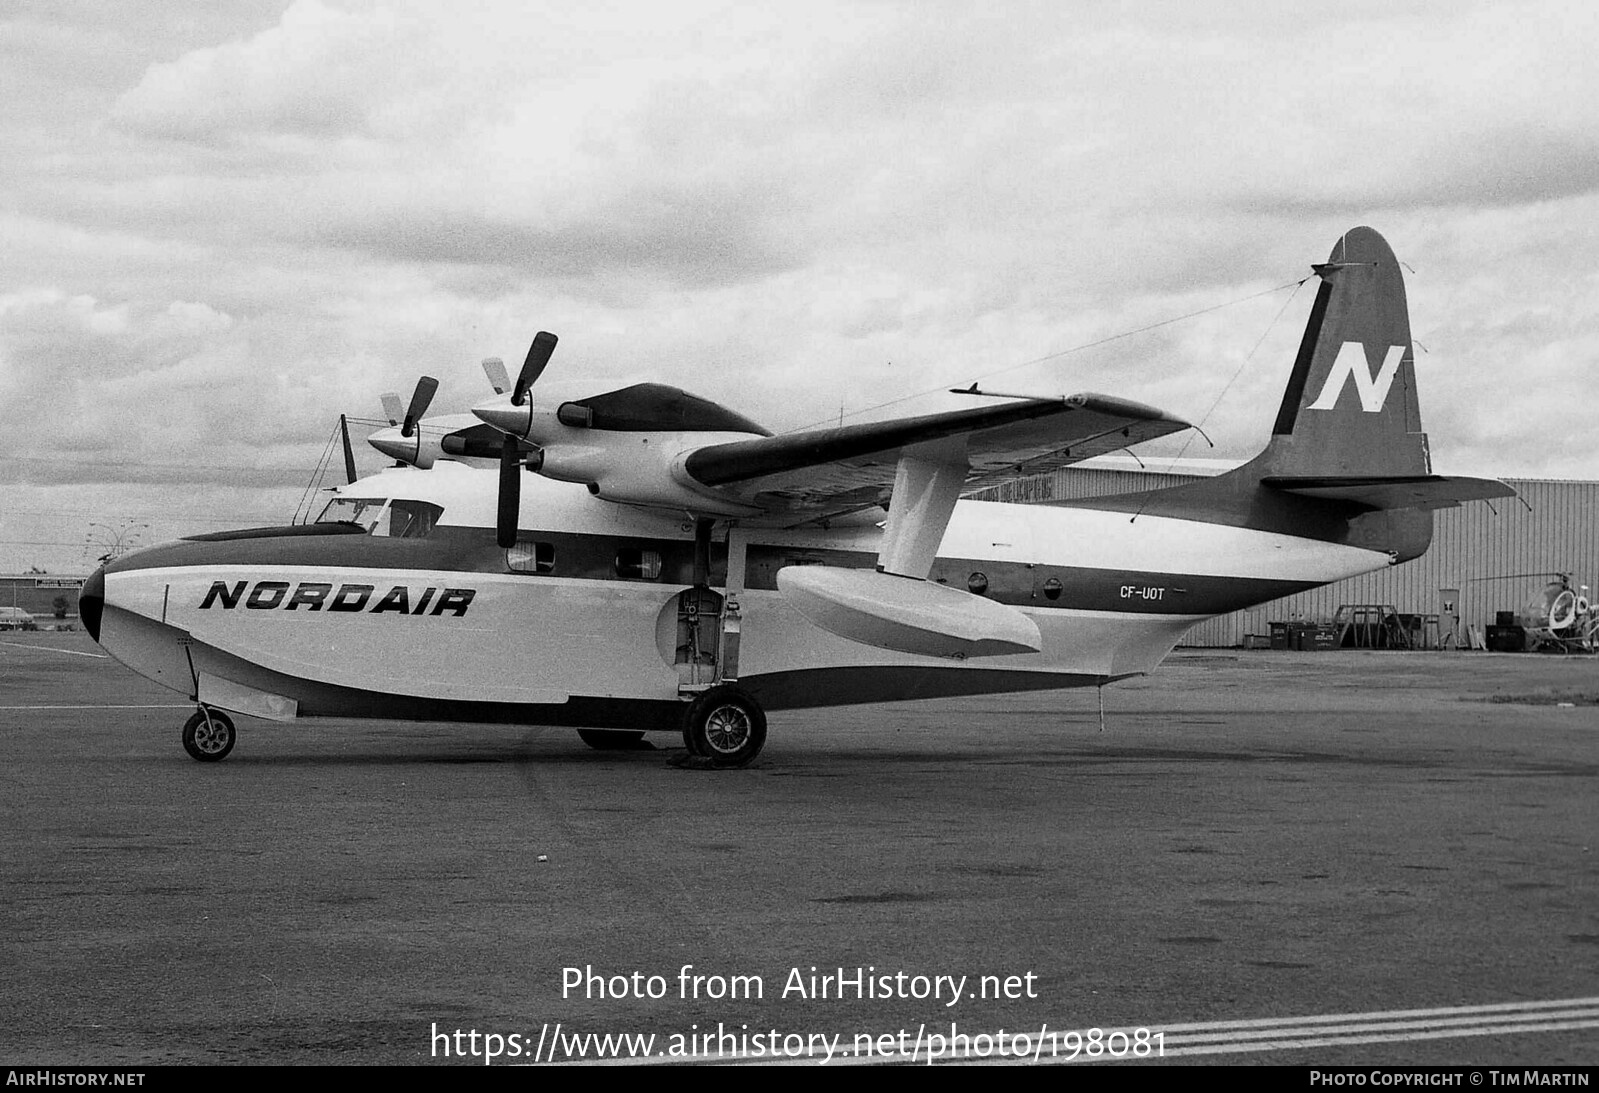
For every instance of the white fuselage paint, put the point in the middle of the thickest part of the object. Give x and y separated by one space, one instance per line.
528 638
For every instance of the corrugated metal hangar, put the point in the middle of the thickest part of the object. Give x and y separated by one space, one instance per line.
1484 559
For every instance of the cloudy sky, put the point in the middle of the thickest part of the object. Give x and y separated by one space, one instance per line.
227 221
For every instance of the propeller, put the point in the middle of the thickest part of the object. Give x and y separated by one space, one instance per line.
426 388
393 408
509 510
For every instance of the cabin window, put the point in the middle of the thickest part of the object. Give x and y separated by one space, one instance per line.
637 564
1052 588
531 557
977 583
409 520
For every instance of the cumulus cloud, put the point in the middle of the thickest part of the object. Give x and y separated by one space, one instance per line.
314 74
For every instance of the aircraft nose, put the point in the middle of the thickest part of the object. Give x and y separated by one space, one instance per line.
91 603
515 420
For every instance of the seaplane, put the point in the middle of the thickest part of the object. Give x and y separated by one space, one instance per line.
647 561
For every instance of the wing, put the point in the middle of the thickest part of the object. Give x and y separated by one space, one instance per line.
827 472
917 467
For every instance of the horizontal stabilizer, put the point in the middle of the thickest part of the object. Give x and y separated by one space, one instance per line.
1402 491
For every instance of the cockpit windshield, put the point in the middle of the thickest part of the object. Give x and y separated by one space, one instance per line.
353 510
401 519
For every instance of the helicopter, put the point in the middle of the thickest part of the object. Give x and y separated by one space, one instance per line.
1561 618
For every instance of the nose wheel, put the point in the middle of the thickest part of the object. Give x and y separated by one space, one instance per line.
208 736
725 726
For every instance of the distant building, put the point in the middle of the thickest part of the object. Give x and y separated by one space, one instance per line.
36 594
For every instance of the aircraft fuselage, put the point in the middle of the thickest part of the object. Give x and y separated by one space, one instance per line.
583 622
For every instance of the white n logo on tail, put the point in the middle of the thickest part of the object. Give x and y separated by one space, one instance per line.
1351 363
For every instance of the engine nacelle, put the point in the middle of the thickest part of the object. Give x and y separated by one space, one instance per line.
640 469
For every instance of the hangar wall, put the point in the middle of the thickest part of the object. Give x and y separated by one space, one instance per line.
1557 530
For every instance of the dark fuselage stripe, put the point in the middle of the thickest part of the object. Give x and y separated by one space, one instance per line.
596 557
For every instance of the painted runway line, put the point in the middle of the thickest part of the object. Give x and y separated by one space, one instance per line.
1045 1044
164 706
1391 1026
48 649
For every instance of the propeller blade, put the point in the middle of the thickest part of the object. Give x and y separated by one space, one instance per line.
494 369
426 387
393 408
538 355
510 505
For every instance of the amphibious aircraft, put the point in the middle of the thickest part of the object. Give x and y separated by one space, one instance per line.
672 565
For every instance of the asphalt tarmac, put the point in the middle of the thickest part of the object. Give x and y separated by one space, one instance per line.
1254 837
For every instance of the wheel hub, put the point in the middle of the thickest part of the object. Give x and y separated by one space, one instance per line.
727 729
209 737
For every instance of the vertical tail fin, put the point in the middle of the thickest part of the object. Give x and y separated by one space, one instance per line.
1349 428
1347 462
1351 408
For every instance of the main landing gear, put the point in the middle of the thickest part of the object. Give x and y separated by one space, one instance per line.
724 726
208 736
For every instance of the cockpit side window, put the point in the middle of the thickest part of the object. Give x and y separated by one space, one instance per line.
353 510
403 519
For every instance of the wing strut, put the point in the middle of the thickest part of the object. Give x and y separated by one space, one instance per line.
927 483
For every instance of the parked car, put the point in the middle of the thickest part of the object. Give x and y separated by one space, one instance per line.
15 618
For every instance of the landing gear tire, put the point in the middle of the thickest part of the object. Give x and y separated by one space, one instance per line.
613 739
209 742
725 726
